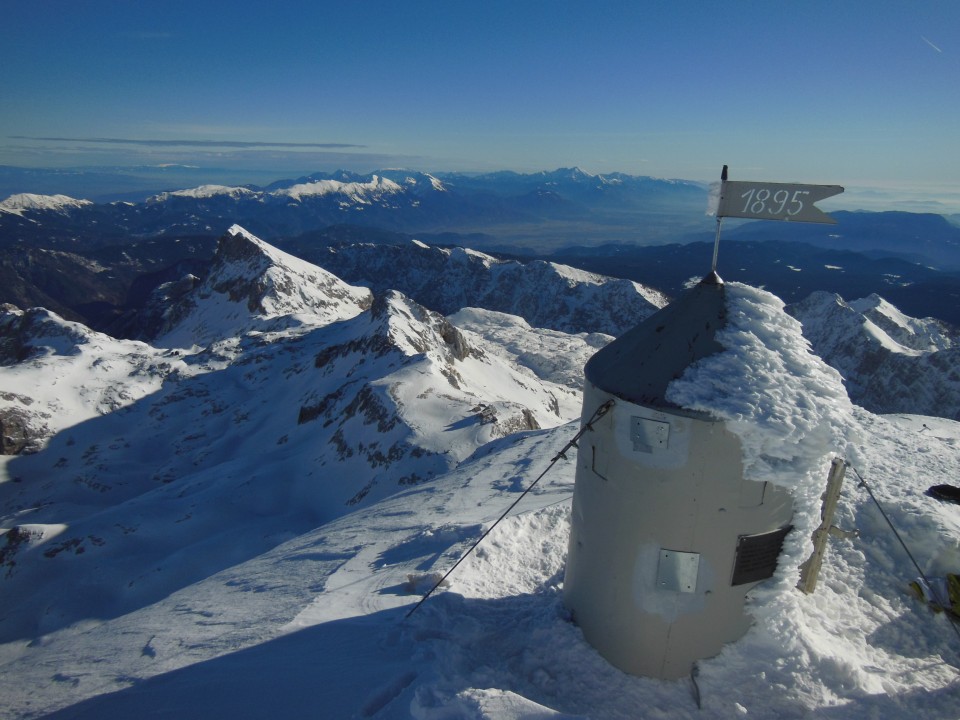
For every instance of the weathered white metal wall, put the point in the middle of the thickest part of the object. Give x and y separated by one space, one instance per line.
659 504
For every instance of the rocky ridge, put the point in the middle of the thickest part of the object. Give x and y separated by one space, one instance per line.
890 363
546 295
340 411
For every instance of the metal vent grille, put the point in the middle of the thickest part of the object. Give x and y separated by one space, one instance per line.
757 556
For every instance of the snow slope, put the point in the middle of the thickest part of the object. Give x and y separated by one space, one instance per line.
334 414
59 373
316 626
550 354
217 571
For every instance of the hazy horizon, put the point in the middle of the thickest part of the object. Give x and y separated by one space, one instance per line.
128 181
859 94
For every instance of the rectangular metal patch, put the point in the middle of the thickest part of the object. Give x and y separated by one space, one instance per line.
649 435
678 571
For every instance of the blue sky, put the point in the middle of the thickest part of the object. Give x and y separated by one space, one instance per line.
848 92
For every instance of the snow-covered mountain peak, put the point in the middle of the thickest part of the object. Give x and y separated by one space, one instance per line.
436 183
572 173
413 329
293 430
353 191
889 362
829 316
193 546
419 182
252 281
921 334
17 204
206 191
465 256
58 373
545 294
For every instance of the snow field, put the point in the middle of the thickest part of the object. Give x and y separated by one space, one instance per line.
222 575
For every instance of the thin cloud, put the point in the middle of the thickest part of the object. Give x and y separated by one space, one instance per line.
191 143
931 44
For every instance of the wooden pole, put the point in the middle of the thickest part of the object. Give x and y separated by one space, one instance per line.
810 570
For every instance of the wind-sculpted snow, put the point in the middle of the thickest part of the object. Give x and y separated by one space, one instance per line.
889 361
544 294
786 405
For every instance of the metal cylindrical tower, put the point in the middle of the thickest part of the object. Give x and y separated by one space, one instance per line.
666 534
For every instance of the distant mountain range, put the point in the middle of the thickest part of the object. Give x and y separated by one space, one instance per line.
536 208
248 284
791 270
647 230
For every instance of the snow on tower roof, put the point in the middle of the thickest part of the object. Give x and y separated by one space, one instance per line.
730 352
640 364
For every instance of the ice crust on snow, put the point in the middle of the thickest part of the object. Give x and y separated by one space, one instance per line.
786 405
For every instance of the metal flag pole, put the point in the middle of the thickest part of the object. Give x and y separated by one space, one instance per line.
716 242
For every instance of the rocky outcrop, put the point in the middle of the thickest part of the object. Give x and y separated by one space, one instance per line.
22 428
24 333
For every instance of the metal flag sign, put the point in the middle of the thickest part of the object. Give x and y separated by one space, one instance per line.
775 201
769 201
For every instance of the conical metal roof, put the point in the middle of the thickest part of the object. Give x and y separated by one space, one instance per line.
639 365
